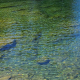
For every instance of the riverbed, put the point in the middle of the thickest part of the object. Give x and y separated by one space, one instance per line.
47 35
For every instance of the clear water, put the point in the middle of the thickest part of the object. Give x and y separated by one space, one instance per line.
43 30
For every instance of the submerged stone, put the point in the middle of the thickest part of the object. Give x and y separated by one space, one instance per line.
44 63
37 37
8 46
1 57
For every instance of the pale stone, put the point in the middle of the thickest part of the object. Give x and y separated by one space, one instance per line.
4 78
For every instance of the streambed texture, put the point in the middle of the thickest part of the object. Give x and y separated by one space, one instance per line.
40 40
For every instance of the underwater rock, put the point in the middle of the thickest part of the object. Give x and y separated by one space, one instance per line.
35 47
44 63
9 78
5 78
37 37
8 46
21 9
9 6
1 57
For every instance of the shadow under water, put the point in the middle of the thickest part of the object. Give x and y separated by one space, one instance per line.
8 46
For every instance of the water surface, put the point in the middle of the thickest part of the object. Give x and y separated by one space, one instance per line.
44 31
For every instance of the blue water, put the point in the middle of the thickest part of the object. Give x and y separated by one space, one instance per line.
46 45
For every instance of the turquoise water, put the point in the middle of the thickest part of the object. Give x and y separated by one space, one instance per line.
43 30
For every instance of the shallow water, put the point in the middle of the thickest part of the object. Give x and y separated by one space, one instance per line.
43 30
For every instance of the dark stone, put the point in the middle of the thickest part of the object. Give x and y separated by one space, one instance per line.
10 78
8 46
44 63
9 6
1 57
76 76
37 37
21 9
